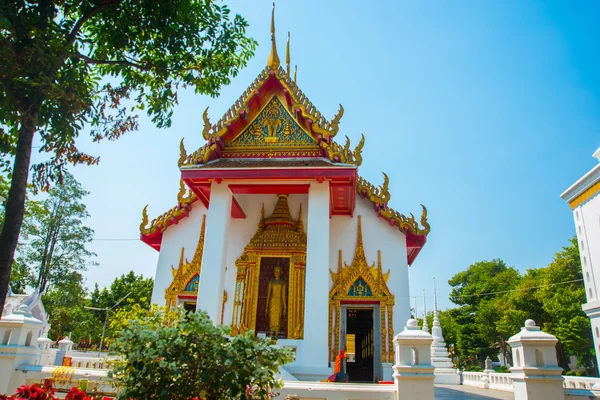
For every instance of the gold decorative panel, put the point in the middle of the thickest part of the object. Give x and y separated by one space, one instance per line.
273 128
359 282
185 277
282 240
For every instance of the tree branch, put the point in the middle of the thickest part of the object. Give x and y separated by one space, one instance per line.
110 62
101 6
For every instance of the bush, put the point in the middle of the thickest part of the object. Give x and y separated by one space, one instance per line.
178 355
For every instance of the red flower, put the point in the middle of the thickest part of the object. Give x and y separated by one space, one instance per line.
76 394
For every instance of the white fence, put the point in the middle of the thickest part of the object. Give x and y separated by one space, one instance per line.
579 382
499 381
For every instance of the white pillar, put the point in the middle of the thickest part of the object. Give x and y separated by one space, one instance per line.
64 347
536 374
210 285
315 345
413 372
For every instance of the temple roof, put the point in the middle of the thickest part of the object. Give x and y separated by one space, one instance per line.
272 163
273 126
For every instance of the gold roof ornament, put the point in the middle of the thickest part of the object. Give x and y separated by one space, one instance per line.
295 72
273 62
287 55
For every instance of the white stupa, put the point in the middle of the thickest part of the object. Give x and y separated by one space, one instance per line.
425 326
445 372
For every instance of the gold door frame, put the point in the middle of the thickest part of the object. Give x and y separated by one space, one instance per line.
376 280
272 240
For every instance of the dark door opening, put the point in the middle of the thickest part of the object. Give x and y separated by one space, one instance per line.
359 344
189 306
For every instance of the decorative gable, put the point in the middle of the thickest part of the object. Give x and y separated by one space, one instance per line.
273 129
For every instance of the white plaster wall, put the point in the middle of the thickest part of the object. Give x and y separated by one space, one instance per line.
587 224
185 234
378 234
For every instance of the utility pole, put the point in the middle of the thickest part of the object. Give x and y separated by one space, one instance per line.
107 310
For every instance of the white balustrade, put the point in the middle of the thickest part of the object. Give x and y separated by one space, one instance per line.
472 378
579 382
499 381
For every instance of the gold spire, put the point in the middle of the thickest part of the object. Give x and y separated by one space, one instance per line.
287 55
299 224
273 62
295 71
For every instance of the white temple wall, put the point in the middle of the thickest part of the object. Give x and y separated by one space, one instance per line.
378 234
184 234
587 224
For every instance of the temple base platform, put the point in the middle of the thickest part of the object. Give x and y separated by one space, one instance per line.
296 390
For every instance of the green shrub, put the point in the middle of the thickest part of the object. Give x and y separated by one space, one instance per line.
178 355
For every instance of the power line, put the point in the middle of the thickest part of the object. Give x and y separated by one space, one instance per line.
516 290
114 239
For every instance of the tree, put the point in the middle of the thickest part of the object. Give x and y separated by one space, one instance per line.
179 355
57 238
67 65
476 290
65 306
127 297
137 289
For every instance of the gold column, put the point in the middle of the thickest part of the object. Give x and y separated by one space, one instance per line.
390 334
336 349
329 332
383 332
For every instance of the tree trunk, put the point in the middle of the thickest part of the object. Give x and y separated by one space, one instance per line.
563 359
15 204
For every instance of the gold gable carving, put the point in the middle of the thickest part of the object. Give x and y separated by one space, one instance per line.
276 236
186 271
374 277
274 128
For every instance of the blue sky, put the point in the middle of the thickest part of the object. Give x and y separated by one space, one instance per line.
483 111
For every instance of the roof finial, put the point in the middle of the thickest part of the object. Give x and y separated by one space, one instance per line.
295 71
273 62
287 55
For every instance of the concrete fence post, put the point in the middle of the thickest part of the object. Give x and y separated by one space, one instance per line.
413 372
535 374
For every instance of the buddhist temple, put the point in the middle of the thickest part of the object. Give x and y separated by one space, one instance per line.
275 231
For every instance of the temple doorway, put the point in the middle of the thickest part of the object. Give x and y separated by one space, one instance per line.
362 342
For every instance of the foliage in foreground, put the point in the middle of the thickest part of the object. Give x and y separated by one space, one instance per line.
179 355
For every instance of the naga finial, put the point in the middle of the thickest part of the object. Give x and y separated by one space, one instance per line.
335 122
144 220
182 154
207 126
182 190
357 153
273 61
384 192
424 223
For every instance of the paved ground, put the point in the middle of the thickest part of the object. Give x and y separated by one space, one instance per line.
451 392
